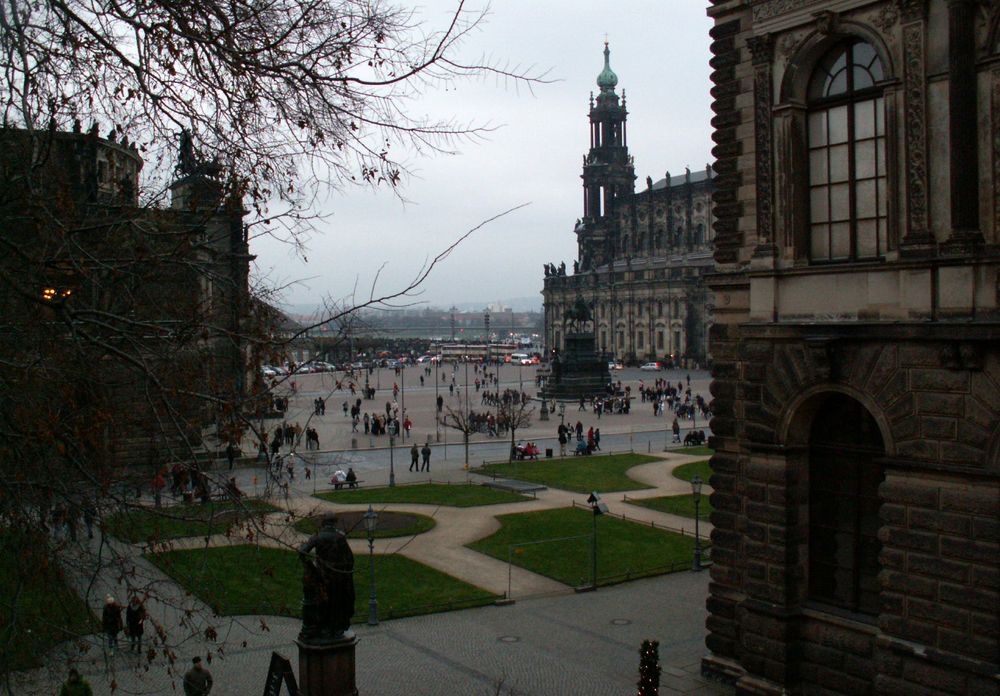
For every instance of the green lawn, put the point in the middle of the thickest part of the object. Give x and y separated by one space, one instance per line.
37 608
604 473
455 495
695 450
686 472
173 522
676 505
239 580
421 524
625 550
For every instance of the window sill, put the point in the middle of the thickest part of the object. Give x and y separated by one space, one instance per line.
862 623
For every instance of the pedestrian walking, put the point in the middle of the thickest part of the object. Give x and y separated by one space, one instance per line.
426 452
89 514
76 685
597 438
135 617
111 623
230 455
414 456
198 680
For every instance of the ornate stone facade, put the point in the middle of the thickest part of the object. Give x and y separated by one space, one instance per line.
642 256
856 354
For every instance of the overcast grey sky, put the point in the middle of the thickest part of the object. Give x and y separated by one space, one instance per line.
659 50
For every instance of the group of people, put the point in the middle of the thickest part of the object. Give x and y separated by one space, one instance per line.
134 624
425 453
584 445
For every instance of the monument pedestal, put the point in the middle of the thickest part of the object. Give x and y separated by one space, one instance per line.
327 669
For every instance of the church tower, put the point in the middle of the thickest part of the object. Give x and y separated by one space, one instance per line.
608 173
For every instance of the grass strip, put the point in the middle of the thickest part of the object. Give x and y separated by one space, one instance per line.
603 473
682 505
417 524
686 472
454 495
625 550
144 524
251 580
695 450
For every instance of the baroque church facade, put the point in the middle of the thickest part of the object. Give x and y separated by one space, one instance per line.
856 347
642 257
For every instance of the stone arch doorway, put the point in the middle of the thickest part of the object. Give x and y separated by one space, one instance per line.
844 469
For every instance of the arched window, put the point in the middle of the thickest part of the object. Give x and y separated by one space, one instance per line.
847 156
845 470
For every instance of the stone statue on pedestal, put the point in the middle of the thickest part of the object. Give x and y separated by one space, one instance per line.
327 585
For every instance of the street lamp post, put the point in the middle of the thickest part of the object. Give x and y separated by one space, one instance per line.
437 412
599 508
392 451
696 494
371 521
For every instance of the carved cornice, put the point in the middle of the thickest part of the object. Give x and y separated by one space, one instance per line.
773 8
761 48
913 10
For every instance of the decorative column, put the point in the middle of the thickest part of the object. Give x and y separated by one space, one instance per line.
916 240
962 128
762 51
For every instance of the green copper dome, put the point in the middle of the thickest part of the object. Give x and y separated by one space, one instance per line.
607 79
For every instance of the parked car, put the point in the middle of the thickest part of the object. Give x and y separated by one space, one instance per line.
615 366
652 366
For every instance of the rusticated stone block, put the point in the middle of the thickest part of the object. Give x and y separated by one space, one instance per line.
973 435
918 449
941 404
938 427
960 452
931 677
986 390
908 539
985 576
965 596
938 380
884 367
892 514
979 552
977 412
938 613
962 643
908 584
934 566
919 355
908 629
947 522
894 388
979 501
984 529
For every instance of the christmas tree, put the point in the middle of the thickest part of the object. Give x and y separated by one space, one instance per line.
649 668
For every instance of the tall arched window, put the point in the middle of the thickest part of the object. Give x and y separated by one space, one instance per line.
845 470
847 160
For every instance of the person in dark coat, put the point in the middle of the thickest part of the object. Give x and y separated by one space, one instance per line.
414 458
111 622
426 452
135 617
198 680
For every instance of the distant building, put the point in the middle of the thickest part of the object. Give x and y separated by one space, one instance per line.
132 319
856 346
641 256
